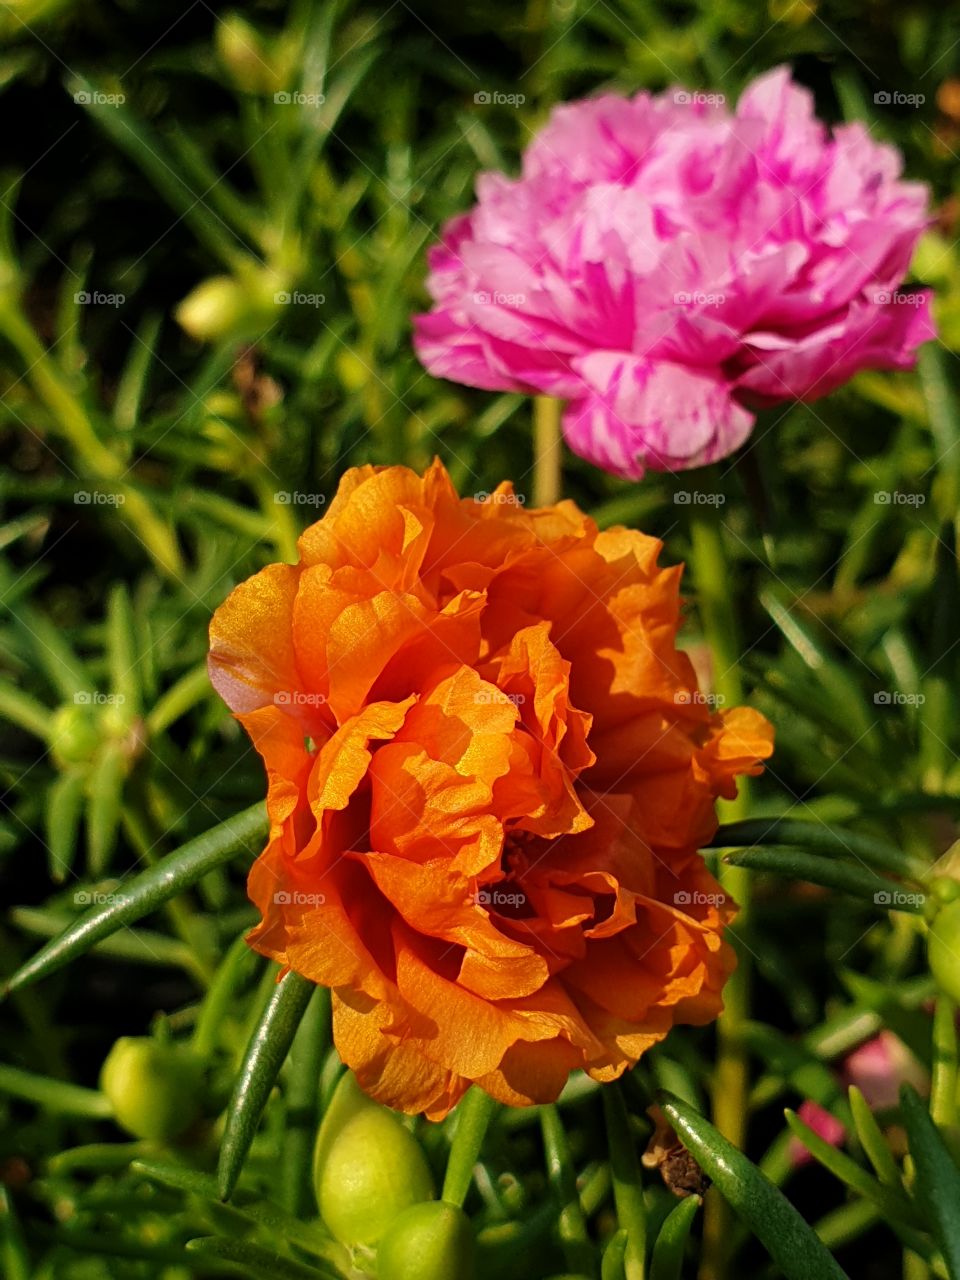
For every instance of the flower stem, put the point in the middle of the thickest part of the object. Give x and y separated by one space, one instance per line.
572 1229
627 1182
547 451
729 1094
473 1115
943 1085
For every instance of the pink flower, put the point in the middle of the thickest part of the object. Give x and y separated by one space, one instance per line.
666 266
823 1124
879 1067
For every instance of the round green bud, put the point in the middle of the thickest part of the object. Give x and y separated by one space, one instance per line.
154 1088
432 1241
943 948
368 1167
945 888
74 735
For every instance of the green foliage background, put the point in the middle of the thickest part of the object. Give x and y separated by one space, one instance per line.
199 185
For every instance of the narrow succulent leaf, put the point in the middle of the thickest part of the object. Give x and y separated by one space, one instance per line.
105 804
56 1096
872 1140
894 1203
266 1054
256 1261
562 1176
938 1178
143 894
25 712
310 1046
818 837
62 821
122 649
614 1256
846 877
789 1240
668 1250
14 1257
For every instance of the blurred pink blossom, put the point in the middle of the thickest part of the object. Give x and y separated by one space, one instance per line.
667 266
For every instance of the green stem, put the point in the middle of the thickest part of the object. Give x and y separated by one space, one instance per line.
717 607
547 451
190 689
627 1181
55 1096
943 1086
577 1250
473 1116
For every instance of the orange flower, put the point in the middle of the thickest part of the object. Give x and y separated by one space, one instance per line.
490 771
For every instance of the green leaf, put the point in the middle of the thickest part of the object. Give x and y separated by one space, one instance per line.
62 820
266 1054
261 1263
794 864
105 804
788 1239
893 1202
614 1256
821 838
175 873
872 1140
572 1229
310 1046
55 1096
13 1251
938 1179
667 1260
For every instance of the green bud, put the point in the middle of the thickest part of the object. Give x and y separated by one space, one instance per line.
74 735
153 1088
431 1241
943 949
245 54
367 1167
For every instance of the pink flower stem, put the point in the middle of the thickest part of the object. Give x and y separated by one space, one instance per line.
718 616
547 451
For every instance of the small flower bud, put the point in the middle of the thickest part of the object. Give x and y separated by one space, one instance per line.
247 56
367 1167
74 738
431 1241
153 1088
